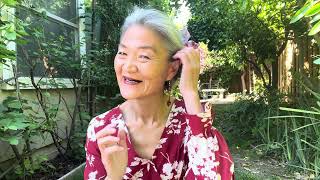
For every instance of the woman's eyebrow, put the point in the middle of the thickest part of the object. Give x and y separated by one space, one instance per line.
141 47
148 47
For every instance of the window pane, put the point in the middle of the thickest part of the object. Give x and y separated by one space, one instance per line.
50 49
65 9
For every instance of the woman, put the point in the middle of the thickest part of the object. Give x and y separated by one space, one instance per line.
152 135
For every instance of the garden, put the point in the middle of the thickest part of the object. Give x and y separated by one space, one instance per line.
56 74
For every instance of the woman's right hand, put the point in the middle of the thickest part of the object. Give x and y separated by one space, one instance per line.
114 151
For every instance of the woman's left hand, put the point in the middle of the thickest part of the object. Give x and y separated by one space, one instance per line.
190 59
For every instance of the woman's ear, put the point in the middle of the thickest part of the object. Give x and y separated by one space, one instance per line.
173 69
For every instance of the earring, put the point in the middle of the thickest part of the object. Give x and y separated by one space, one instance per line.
169 93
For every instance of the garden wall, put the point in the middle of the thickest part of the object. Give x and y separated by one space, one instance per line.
41 145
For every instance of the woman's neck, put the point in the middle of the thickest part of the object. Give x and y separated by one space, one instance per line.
149 111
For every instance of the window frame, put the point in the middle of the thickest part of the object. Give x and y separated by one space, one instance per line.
6 71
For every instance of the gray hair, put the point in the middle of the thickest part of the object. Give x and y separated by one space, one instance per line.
158 22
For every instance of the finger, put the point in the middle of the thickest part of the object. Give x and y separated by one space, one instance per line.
106 131
113 149
191 56
122 138
182 56
107 141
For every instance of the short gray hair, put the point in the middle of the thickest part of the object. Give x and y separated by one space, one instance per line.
158 22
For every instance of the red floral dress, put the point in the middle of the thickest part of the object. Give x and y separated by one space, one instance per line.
189 148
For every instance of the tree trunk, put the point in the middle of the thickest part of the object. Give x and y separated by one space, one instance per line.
243 83
275 74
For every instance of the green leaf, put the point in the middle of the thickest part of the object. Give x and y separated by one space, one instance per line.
15 104
315 9
315 29
11 35
47 94
315 147
10 2
2 108
317 61
19 125
298 110
301 12
12 127
13 140
315 18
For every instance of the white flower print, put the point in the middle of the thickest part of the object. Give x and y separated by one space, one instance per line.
92 175
90 159
179 169
94 123
128 171
187 134
139 161
170 169
167 168
174 125
201 153
232 168
138 175
191 154
162 141
177 109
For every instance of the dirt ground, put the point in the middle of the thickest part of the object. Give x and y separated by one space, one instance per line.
263 167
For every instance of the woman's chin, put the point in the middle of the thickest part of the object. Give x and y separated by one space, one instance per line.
129 96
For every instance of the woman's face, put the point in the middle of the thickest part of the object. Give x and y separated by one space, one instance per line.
141 63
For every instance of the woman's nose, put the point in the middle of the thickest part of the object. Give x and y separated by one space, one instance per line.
130 66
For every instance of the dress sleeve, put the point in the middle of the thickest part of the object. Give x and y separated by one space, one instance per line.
94 168
207 152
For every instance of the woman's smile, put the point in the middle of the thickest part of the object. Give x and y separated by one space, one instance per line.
131 81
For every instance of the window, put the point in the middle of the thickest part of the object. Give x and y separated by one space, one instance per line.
55 42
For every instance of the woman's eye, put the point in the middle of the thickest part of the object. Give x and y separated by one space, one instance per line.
144 57
121 53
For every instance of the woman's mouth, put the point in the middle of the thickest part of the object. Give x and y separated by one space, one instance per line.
131 81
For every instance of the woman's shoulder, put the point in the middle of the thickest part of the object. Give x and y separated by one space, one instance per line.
102 120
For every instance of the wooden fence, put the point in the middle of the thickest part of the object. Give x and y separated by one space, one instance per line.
297 58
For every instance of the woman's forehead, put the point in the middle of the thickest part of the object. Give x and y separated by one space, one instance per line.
141 37
143 46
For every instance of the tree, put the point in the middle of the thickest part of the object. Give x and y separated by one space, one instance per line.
259 28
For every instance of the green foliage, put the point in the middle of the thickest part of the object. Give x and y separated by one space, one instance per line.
221 64
9 31
289 132
13 122
301 131
22 119
245 119
31 166
258 29
310 10
245 175
17 127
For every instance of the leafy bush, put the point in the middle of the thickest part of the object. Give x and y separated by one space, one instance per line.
244 121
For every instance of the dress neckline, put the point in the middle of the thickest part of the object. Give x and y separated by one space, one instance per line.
163 134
